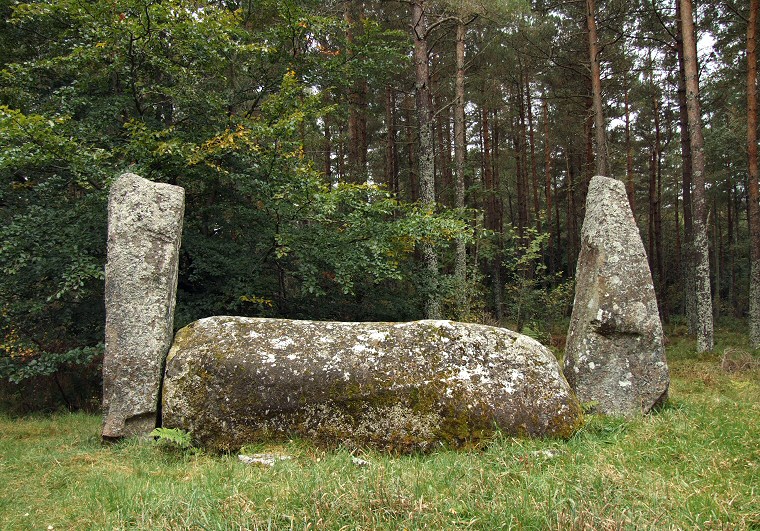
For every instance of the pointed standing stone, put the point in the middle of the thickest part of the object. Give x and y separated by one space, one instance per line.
614 357
144 231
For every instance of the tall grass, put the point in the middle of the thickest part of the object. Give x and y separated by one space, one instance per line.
695 464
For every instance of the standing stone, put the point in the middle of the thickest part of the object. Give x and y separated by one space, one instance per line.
614 358
396 386
144 231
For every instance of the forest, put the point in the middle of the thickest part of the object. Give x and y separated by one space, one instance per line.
372 160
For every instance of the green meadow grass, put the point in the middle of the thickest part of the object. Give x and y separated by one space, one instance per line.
695 464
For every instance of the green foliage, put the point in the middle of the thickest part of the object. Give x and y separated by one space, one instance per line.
17 368
218 100
174 438
533 295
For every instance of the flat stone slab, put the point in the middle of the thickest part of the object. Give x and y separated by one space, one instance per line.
396 386
144 232
614 356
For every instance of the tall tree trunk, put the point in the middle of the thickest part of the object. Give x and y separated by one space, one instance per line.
659 256
327 161
488 170
629 185
570 213
411 151
731 242
460 260
520 162
357 98
340 153
717 259
391 155
445 150
687 264
754 192
425 156
705 340
600 138
650 214
533 169
492 221
548 184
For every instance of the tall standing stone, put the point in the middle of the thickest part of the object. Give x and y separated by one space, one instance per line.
614 358
144 231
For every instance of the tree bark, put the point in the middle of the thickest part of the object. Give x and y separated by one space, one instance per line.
357 99
705 340
533 169
460 260
687 264
492 221
521 167
548 184
425 151
754 192
411 151
391 154
327 160
600 138
629 184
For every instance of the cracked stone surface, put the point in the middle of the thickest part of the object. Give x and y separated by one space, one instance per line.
402 387
614 356
144 232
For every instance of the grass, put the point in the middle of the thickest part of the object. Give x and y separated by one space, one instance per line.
695 464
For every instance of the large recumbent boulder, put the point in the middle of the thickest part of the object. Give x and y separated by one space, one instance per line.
397 386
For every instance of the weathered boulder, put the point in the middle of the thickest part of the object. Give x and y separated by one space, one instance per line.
614 357
144 231
396 386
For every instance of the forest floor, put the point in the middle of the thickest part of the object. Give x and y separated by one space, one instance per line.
693 464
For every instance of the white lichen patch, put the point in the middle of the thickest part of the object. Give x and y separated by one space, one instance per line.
281 343
626 380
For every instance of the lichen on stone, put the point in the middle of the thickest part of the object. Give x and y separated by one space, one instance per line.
397 386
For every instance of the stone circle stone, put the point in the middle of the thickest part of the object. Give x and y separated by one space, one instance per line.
400 387
615 355
144 232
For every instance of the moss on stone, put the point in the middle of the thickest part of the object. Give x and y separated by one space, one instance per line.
402 388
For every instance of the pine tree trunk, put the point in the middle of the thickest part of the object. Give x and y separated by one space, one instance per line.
411 152
705 340
731 242
629 184
520 170
650 215
460 259
327 160
548 184
659 256
717 259
570 222
357 99
391 156
754 192
425 151
491 221
687 264
600 138
533 169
